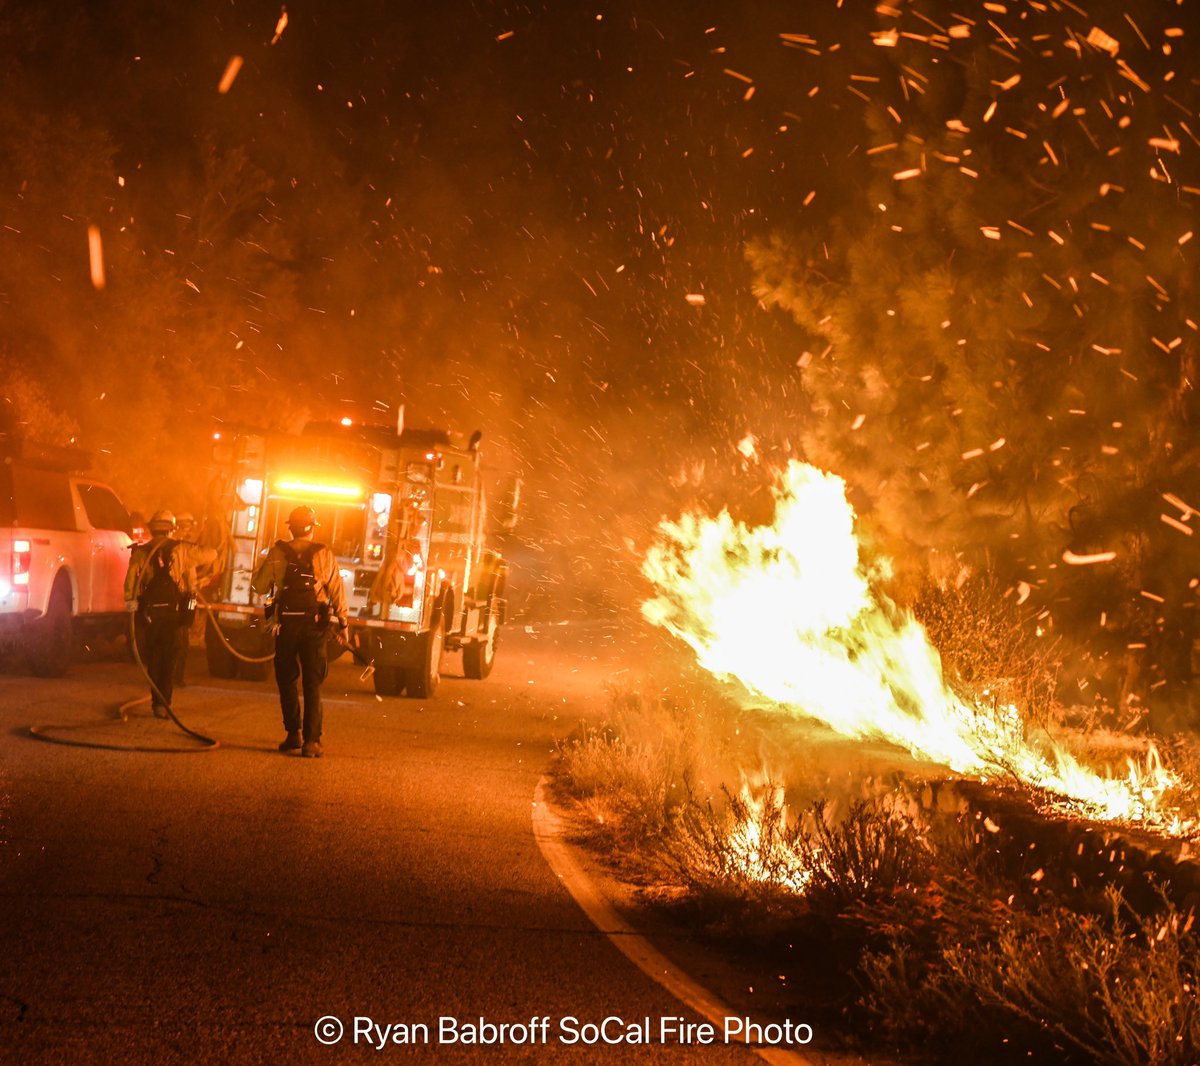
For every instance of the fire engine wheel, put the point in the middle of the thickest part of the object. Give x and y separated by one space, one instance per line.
480 657
221 661
253 671
389 680
422 681
50 654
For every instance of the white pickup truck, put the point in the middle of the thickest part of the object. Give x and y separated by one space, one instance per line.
64 550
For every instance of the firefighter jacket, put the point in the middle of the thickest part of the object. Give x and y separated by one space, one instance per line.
186 559
329 587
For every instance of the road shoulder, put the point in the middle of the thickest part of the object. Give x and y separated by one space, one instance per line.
713 986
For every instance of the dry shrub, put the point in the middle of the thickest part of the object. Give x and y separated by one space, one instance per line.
1108 988
1118 988
633 774
874 852
989 645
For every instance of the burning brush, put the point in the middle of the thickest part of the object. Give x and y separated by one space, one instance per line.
792 612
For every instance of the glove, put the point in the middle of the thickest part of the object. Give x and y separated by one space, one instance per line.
131 606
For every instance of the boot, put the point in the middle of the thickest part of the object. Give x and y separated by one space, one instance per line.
292 741
312 749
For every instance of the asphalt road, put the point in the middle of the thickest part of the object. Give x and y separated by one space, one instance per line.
214 906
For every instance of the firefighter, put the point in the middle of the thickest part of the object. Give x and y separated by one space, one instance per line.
158 586
308 598
185 530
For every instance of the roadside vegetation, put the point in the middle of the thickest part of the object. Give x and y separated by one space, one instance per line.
930 933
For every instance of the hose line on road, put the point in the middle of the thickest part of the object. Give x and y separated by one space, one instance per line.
42 732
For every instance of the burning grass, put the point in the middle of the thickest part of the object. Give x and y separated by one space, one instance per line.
753 846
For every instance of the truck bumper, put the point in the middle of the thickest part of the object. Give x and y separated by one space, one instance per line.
14 626
387 647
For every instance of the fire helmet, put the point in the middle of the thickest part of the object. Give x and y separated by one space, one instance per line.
185 518
161 521
303 518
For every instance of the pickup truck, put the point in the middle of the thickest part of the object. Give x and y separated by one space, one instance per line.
64 551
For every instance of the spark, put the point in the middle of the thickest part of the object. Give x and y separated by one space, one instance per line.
1174 523
1072 559
230 76
281 25
1097 38
96 257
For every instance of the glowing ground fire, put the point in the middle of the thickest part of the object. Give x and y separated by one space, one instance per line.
790 611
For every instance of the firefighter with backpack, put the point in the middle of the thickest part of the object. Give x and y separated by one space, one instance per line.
159 586
308 598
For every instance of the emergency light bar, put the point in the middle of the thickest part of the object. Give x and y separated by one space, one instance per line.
308 488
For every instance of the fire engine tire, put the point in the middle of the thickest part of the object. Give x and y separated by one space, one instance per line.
253 671
389 680
221 661
480 657
50 651
422 681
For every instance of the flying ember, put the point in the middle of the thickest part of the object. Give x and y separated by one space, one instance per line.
793 612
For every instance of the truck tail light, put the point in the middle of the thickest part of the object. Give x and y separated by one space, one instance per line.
21 556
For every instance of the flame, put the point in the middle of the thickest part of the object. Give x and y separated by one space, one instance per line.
791 611
758 851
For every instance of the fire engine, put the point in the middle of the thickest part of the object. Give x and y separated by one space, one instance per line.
404 512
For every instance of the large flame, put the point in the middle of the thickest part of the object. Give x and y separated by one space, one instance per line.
790 611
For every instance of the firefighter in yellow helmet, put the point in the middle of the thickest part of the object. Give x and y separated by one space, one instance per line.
308 597
185 530
158 586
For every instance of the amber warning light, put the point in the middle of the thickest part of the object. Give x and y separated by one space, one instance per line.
309 488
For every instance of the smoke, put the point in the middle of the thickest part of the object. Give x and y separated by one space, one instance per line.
506 234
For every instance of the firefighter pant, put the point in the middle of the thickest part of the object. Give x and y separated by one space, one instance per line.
184 637
300 654
162 650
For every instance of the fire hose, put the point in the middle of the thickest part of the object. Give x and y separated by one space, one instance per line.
42 732
367 664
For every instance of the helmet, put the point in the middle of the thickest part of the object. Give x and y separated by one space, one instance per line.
302 518
185 518
161 521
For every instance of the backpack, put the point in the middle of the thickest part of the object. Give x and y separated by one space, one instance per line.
160 594
297 597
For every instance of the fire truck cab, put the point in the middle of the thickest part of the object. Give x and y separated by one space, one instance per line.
405 515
